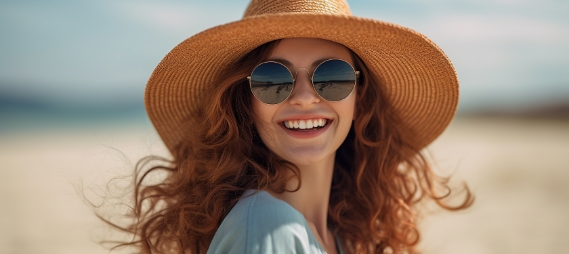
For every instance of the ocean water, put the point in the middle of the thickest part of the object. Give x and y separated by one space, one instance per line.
517 168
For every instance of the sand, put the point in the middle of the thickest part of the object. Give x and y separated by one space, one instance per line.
518 170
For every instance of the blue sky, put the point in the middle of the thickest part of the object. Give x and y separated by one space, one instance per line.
508 53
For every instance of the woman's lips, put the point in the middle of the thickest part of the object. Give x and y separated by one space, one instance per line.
305 133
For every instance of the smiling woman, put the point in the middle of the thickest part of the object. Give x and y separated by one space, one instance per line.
302 146
303 137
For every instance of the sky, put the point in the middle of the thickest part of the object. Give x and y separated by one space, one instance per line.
507 53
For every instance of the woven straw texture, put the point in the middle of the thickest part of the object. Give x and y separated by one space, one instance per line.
418 77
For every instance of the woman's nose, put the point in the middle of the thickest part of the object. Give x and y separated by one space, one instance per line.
303 93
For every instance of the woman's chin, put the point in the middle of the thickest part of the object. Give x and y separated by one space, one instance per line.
309 156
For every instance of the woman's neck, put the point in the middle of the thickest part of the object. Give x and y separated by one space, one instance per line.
312 198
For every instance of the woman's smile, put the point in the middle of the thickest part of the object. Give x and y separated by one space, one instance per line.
305 125
306 129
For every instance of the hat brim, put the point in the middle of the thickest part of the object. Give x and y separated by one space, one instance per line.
419 79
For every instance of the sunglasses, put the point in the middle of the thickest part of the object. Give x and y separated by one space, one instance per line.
272 82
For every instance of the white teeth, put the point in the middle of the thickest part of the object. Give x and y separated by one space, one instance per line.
305 124
309 124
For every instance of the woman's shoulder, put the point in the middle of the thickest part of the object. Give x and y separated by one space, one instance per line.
261 223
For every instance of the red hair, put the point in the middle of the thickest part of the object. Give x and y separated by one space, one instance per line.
379 176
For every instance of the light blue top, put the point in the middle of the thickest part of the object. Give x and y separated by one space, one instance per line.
260 224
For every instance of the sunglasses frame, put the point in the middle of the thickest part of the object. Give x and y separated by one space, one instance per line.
357 73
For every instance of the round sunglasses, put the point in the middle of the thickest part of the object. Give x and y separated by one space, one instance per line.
272 82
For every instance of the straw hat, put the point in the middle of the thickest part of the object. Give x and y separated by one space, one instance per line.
419 79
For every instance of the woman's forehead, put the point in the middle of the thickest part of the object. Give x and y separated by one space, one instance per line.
306 52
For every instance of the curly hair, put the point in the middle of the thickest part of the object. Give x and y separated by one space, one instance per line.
379 176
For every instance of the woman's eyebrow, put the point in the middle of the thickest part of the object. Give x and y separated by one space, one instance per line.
288 64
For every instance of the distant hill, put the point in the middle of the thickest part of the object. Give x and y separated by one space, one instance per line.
14 104
554 109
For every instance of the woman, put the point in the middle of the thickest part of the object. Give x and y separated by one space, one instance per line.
297 129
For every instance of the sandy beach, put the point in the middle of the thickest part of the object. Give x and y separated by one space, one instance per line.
518 170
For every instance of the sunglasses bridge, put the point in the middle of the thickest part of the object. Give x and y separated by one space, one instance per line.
296 74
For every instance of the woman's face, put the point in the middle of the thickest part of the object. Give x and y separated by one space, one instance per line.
305 146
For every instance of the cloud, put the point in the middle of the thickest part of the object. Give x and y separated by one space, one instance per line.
480 28
159 15
174 16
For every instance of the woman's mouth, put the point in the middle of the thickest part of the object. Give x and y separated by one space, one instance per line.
306 125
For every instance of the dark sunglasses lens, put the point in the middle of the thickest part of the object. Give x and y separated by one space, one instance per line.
271 82
334 80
